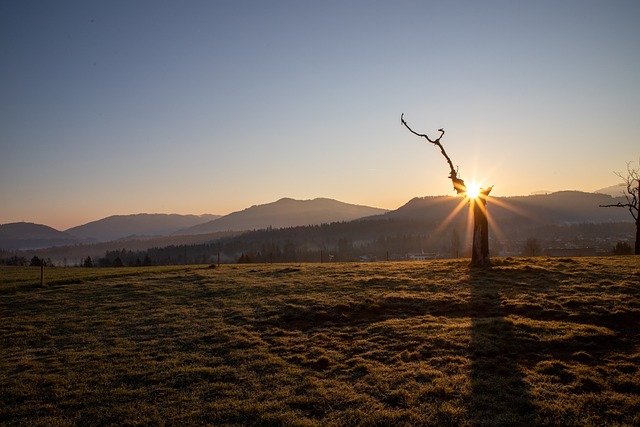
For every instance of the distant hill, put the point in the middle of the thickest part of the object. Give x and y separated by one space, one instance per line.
27 235
139 225
613 190
286 212
562 207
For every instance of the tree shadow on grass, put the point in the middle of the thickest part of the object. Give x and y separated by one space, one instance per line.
500 395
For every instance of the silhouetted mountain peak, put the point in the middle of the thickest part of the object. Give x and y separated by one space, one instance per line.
286 212
27 235
27 229
144 224
617 190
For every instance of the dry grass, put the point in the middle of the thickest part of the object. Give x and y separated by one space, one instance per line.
528 342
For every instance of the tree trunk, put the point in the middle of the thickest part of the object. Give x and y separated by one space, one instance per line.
637 245
480 247
637 208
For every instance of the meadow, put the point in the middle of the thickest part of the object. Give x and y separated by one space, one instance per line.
530 341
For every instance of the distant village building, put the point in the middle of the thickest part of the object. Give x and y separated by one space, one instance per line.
422 256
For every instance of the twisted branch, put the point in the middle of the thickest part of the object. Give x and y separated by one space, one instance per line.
458 184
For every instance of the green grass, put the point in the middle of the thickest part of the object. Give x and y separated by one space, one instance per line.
528 342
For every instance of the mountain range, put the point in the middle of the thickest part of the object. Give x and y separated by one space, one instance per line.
565 207
285 212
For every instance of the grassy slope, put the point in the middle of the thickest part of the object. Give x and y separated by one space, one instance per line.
529 342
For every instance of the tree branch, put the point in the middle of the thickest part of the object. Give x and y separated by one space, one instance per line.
632 193
458 184
633 209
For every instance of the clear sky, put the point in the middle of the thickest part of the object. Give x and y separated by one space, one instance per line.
120 107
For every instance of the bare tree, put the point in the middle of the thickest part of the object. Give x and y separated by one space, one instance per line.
632 194
480 245
532 247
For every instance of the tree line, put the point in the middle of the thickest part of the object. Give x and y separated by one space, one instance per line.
380 240
391 239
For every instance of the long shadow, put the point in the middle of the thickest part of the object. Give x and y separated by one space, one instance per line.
500 395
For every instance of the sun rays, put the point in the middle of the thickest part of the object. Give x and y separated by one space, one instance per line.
473 196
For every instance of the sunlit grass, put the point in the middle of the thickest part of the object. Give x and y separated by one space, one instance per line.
527 342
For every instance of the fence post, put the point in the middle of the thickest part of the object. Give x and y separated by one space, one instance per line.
42 273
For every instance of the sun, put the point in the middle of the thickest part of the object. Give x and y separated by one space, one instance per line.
473 190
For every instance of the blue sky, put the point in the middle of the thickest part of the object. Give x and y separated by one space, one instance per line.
119 107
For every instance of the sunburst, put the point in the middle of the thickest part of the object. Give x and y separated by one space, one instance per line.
473 190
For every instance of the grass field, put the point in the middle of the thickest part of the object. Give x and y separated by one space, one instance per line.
527 342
